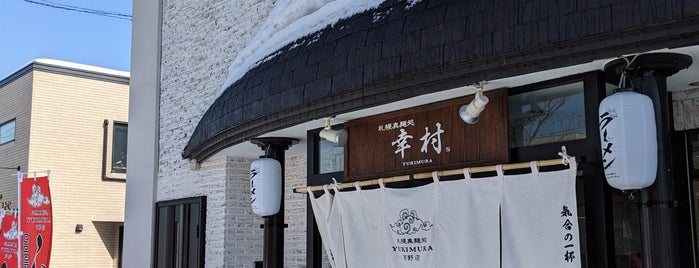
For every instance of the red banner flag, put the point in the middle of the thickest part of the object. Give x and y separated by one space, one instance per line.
8 240
37 226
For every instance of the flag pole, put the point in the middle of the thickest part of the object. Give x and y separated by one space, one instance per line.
19 217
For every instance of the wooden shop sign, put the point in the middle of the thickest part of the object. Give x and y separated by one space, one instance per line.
427 138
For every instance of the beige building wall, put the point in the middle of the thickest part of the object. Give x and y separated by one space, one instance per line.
15 103
65 134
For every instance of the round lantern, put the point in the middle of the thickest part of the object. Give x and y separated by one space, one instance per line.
265 186
628 139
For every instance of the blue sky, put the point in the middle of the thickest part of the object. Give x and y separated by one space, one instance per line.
30 31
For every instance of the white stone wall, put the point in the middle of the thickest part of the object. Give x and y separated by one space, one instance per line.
685 105
295 212
244 238
199 41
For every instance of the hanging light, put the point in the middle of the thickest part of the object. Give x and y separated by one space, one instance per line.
628 140
265 186
470 112
338 137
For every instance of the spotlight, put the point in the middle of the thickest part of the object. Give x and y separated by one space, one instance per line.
470 112
338 137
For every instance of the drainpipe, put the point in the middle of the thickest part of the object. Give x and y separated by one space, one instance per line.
648 73
273 251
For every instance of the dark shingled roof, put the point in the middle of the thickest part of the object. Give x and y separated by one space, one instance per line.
436 45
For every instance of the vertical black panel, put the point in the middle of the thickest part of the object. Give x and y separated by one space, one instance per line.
685 193
193 249
179 231
164 241
120 258
598 197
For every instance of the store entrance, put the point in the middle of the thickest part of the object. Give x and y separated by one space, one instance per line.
692 161
626 208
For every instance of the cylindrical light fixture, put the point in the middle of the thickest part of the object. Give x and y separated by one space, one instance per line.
338 137
469 113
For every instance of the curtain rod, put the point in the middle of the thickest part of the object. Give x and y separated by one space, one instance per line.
32 174
428 175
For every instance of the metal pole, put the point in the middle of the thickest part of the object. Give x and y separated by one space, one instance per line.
19 218
659 212
273 252
659 223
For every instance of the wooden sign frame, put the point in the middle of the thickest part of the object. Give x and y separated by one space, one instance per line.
427 138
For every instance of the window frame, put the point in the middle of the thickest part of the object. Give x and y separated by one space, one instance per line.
185 206
686 216
107 149
314 176
116 124
14 130
547 86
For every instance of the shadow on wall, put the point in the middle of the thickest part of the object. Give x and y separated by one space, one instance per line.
109 233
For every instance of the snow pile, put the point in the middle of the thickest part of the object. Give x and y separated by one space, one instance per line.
288 21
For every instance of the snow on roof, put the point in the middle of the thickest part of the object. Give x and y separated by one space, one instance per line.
82 67
288 21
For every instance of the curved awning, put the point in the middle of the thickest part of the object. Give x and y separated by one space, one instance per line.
392 53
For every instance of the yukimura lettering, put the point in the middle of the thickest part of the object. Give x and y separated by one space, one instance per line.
417 244
429 139
402 143
413 249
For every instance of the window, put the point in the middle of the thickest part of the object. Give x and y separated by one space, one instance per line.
692 158
627 230
114 150
7 132
548 115
119 138
332 157
328 159
179 233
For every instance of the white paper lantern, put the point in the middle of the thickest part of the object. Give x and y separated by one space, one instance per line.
265 186
629 145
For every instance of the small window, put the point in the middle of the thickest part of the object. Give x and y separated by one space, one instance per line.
114 150
7 132
547 115
326 159
179 233
331 157
119 139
